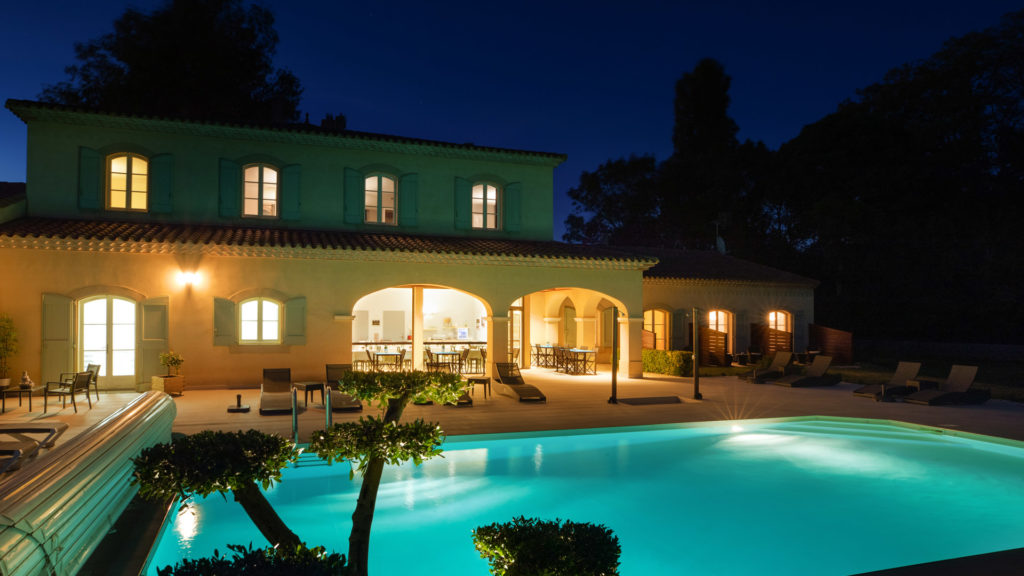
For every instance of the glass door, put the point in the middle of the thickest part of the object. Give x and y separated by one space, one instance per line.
108 338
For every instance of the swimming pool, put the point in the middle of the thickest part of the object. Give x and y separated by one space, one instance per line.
812 496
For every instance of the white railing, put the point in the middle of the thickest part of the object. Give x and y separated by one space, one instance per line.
56 509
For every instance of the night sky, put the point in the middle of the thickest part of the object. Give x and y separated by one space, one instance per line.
594 80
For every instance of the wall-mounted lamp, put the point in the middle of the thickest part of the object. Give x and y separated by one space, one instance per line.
189 278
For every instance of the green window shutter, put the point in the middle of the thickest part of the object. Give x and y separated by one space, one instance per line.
55 356
295 321
679 335
513 206
154 334
408 190
224 322
90 179
355 196
463 204
291 179
161 183
230 188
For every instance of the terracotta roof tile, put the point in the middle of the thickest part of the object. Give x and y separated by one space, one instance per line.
710 265
56 228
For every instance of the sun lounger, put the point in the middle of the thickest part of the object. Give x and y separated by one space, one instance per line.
896 386
815 375
276 391
955 390
776 369
513 385
53 431
340 402
14 452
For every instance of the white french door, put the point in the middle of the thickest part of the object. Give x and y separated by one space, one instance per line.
108 336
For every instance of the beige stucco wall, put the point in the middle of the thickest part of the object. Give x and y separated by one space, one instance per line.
331 288
748 302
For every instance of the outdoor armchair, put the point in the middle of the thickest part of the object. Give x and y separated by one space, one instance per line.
70 384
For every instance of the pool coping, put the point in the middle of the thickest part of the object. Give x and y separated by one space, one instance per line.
997 563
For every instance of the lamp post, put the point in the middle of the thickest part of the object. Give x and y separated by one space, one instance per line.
696 354
615 355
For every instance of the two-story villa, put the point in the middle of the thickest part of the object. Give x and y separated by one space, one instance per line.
250 247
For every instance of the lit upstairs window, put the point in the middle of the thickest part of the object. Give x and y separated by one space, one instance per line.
127 182
380 200
485 207
260 191
260 321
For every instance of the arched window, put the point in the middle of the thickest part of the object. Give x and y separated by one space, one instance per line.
380 200
259 321
485 207
107 328
127 182
718 320
657 321
260 191
779 320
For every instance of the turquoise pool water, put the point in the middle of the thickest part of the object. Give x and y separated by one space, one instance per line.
814 497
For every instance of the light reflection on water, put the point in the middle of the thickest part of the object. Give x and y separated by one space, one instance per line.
792 495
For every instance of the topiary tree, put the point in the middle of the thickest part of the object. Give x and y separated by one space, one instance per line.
273 561
534 547
374 441
208 462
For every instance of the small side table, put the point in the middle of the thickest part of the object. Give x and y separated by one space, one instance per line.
11 390
309 388
480 380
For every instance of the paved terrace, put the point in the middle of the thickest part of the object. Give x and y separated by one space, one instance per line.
573 402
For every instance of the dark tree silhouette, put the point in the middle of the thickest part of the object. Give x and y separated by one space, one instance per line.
197 59
904 199
620 198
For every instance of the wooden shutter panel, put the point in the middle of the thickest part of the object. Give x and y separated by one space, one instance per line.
154 336
355 196
408 190
463 204
513 207
90 179
57 331
224 322
291 196
295 321
161 183
230 188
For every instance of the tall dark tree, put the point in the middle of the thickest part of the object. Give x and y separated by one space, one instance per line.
704 184
905 197
198 59
616 204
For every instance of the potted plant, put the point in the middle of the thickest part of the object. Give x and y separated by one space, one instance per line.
172 360
8 347
170 383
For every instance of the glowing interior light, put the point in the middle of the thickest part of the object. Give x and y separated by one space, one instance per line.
737 428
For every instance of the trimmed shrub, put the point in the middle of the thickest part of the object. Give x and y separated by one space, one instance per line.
534 547
262 562
671 362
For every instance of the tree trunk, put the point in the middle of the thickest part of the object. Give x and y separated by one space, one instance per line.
264 517
362 518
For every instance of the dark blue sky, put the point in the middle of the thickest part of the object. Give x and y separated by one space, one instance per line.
594 80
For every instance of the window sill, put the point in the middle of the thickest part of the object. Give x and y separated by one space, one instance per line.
258 348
